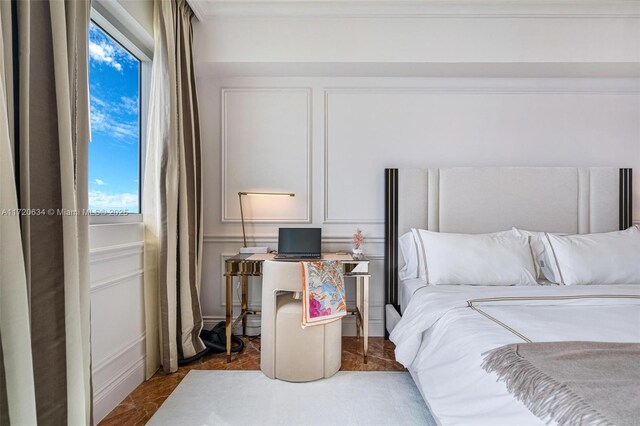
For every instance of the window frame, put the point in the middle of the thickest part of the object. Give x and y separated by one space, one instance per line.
137 49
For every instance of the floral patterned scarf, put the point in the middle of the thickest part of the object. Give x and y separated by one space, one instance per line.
323 298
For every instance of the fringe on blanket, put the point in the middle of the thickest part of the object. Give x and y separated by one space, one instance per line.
544 396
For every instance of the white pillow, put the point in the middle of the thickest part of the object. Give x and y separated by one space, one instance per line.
413 255
477 259
409 252
606 258
542 258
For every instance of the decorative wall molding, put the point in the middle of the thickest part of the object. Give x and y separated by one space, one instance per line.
108 387
117 376
531 86
104 254
224 91
459 9
327 219
117 325
627 87
116 354
419 69
117 279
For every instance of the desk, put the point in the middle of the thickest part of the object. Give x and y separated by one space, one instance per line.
248 265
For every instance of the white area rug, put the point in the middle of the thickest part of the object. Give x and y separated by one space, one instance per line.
250 398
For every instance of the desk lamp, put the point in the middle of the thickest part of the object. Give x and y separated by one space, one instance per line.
271 194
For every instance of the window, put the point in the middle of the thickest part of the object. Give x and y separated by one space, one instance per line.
114 150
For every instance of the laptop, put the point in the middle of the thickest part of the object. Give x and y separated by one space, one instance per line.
299 243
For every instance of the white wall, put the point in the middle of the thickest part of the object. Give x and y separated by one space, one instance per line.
411 39
117 313
320 105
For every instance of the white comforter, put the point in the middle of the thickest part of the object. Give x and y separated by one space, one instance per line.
440 339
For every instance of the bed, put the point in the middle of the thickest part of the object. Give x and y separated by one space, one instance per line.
443 333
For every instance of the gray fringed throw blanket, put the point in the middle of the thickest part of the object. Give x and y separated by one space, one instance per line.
573 383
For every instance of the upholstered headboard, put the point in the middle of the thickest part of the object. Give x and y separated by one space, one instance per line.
488 199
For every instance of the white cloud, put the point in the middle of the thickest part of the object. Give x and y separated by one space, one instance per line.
104 118
105 53
97 102
99 182
130 104
99 200
105 50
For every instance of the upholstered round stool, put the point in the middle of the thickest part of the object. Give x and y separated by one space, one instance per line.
288 351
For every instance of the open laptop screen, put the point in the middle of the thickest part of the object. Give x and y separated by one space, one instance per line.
299 241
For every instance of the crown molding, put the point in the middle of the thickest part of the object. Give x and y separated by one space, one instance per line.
206 9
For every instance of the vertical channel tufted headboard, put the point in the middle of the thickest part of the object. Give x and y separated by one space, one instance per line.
489 199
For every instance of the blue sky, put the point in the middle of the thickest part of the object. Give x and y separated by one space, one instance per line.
114 147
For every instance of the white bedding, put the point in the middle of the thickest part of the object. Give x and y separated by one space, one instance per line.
407 288
440 339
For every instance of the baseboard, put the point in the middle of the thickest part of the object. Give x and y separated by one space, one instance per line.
117 376
376 327
113 394
253 324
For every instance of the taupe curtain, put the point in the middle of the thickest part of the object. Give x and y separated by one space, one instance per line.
172 195
44 134
17 393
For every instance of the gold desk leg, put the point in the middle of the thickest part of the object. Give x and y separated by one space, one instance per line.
365 315
229 306
358 308
244 281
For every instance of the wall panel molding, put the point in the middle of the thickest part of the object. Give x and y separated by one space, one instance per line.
381 118
595 87
131 372
117 376
117 313
103 254
117 353
115 280
327 219
224 92
591 86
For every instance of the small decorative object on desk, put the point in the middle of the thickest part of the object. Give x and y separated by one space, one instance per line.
358 240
